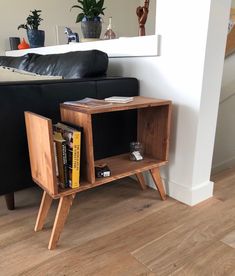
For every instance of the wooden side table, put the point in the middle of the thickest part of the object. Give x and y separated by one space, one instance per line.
153 128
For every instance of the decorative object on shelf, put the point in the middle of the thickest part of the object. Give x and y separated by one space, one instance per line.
23 45
142 13
109 34
14 42
102 170
230 25
90 19
36 37
230 46
136 151
72 37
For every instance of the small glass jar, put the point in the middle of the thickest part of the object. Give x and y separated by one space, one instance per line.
136 151
109 34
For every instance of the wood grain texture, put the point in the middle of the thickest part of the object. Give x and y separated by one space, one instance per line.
118 229
155 172
141 180
230 46
61 216
42 158
41 151
153 126
43 211
87 155
154 129
138 102
229 239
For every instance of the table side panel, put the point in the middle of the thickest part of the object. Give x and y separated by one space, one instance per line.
87 157
153 130
41 151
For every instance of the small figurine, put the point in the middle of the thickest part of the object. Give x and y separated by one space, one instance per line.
72 37
142 13
23 45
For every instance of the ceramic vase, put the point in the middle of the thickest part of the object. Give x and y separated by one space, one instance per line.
91 29
36 38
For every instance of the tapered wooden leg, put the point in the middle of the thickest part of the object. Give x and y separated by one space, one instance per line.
61 215
155 172
141 181
10 201
43 211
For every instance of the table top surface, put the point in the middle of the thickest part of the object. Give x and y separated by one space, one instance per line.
137 103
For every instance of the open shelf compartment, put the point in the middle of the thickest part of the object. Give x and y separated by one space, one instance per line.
153 127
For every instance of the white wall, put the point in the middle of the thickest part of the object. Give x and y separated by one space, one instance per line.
224 150
188 73
14 13
124 20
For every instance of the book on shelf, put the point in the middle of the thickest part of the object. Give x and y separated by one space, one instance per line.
89 103
119 99
72 137
61 156
56 160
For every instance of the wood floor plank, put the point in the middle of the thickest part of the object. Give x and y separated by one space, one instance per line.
167 254
101 250
120 230
217 259
98 212
229 239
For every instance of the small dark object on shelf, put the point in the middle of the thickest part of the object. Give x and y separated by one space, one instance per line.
136 151
102 170
14 42
72 36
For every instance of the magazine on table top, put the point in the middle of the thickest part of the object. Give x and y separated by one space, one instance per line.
119 99
89 103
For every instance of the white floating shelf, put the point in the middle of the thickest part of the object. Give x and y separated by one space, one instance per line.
121 47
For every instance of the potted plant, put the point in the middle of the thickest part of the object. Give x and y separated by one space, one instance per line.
36 37
89 17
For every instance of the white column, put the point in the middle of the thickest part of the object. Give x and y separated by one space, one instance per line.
188 72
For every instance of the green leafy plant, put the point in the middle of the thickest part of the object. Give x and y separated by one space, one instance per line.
91 9
32 21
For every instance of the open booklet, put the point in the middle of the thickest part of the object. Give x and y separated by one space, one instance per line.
89 103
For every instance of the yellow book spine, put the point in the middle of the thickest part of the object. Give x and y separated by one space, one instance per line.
76 159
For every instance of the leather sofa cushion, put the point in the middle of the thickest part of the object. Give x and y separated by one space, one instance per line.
71 65
16 62
79 64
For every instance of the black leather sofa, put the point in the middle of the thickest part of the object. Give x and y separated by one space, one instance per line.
84 75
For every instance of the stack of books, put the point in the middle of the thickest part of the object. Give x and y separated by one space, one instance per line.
67 146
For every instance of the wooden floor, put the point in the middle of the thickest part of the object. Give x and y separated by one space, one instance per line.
118 229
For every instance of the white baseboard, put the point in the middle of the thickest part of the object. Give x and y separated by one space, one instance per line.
226 164
187 195
190 196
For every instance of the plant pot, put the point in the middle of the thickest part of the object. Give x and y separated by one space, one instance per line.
36 38
91 29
